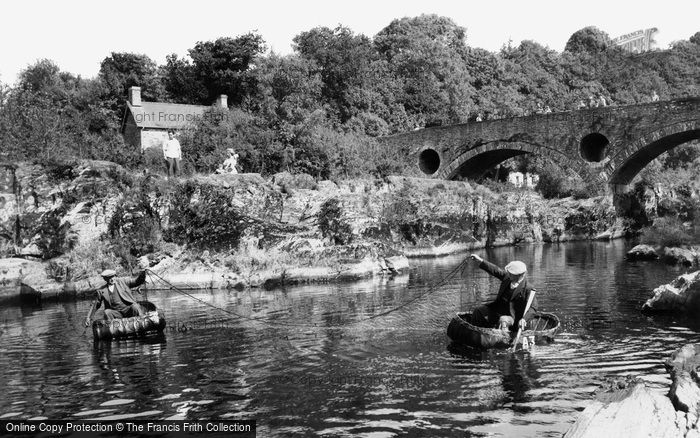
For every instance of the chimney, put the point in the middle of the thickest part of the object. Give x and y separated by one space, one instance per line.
135 96
222 101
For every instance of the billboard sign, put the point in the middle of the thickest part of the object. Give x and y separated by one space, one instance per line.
638 41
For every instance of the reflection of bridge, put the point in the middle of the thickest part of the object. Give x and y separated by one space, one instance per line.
612 143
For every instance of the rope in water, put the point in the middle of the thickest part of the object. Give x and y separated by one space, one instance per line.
430 290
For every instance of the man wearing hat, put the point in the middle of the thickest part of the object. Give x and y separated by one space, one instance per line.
116 297
508 308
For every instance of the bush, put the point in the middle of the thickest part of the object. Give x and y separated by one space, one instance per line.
587 190
153 160
85 260
52 232
554 182
213 221
251 259
670 231
204 144
332 223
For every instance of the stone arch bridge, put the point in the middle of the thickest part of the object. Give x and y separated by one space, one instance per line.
611 143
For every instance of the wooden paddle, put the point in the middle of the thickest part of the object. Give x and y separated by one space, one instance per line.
527 307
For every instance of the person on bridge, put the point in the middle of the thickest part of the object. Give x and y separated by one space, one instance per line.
508 310
116 297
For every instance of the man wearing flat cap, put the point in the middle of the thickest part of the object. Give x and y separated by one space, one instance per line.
116 297
508 308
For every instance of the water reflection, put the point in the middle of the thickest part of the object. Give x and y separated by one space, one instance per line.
316 359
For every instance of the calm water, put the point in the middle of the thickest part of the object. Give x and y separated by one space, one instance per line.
317 360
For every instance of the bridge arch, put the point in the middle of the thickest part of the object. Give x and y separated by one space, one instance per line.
475 162
628 162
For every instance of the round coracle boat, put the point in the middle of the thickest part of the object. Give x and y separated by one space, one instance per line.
542 328
153 321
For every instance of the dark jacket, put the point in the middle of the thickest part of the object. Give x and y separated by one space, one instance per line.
123 287
510 301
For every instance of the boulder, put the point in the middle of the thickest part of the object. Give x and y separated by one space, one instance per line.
12 272
396 263
679 256
289 182
327 186
681 295
642 252
635 411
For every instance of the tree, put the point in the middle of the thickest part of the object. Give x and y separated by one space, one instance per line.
122 70
223 66
695 39
343 59
180 83
289 92
679 68
427 55
589 39
52 115
536 73
484 67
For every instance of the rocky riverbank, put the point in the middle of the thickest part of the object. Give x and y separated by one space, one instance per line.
685 256
245 231
630 409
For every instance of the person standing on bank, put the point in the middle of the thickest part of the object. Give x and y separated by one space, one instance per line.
508 308
116 297
172 154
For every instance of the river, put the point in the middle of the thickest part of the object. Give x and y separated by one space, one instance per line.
358 359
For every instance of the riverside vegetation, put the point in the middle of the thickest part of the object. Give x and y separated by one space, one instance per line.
307 124
248 230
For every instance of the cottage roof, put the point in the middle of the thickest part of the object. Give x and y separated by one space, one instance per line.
162 115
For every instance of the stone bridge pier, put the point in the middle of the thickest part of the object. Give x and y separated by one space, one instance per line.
610 144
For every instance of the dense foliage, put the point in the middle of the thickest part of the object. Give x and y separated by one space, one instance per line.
213 221
320 109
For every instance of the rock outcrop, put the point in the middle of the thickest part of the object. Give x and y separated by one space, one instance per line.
636 411
679 256
642 252
682 295
624 416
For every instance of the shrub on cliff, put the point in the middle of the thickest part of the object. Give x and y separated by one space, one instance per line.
204 215
134 229
332 223
52 231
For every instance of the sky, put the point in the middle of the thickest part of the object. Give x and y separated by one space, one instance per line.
77 34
